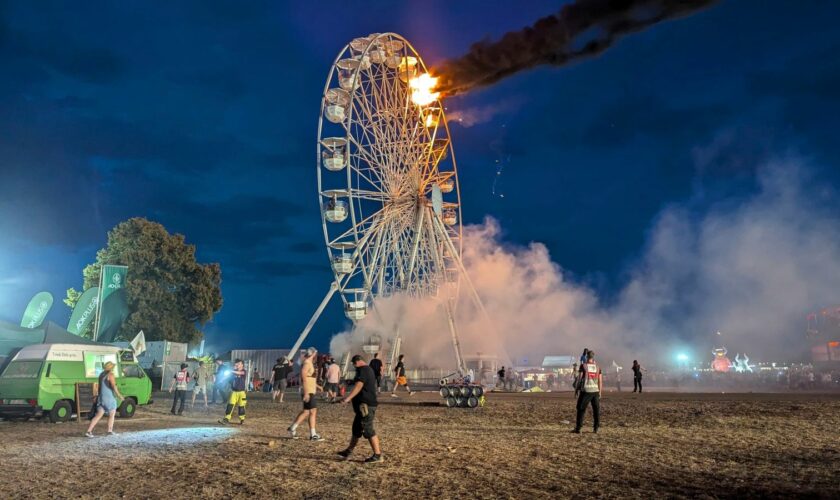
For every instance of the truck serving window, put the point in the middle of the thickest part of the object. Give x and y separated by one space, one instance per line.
23 369
94 363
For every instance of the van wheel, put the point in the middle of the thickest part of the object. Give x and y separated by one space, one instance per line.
127 408
61 412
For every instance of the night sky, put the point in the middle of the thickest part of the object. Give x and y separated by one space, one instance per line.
203 116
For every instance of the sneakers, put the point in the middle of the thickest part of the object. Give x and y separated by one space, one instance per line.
112 433
595 431
576 431
373 459
242 422
412 393
224 421
89 434
394 395
315 437
292 433
344 454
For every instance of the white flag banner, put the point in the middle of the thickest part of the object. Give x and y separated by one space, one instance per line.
139 343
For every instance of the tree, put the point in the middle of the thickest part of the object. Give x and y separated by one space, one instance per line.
169 293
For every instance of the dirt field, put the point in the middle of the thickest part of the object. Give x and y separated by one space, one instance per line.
518 446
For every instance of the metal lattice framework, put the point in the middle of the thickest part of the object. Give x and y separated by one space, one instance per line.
387 182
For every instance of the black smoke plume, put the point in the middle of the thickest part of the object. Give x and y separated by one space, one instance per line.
581 29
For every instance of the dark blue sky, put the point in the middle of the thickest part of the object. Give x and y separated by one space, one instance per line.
203 116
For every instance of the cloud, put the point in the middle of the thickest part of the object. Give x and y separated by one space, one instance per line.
750 268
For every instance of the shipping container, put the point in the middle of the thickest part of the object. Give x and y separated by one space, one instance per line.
263 360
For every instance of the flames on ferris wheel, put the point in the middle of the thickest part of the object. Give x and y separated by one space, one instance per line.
388 183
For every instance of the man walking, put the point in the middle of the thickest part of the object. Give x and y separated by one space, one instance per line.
590 393
279 378
363 397
333 375
179 384
399 372
308 388
637 376
376 366
200 377
501 375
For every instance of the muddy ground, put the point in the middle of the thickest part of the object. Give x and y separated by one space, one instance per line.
518 446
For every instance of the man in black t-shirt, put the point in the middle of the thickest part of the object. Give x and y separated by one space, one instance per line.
279 376
376 366
364 401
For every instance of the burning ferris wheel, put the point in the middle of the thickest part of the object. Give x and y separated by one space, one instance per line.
387 181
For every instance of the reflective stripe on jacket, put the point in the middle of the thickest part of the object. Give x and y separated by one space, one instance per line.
591 374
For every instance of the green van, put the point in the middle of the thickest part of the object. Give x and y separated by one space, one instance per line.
41 379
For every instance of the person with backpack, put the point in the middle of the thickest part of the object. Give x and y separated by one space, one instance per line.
179 384
591 382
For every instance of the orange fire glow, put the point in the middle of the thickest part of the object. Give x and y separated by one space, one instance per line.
421 89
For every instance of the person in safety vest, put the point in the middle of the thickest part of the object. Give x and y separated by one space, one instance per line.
179 384
590 392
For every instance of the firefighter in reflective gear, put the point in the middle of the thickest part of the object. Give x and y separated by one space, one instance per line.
590 392
237 395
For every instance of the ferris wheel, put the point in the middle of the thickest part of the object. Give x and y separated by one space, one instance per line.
387 181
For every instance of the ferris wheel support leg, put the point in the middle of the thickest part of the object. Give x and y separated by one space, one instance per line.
456 344
451 247
305 332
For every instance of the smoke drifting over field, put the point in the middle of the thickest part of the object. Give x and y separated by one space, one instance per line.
750 269
581 29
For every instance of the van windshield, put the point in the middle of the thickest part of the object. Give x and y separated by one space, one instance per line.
22 369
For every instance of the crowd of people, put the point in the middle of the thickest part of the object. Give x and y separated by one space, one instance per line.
321 375
318 375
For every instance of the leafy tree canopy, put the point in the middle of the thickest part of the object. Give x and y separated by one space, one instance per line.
169 294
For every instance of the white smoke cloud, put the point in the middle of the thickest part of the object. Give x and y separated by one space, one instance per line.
750 268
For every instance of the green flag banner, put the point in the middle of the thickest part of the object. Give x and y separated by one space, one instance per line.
113 313
84 312
111 279
37 310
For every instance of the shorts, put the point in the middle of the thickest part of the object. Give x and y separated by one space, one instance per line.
401 380
331 387
363 426
312 404
281 385
199 388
